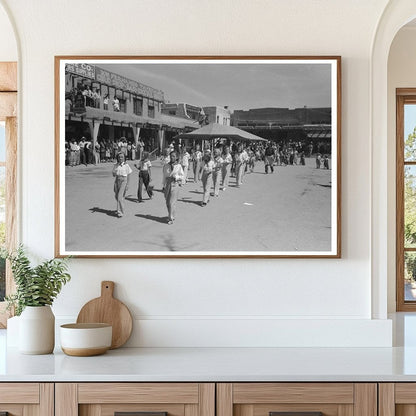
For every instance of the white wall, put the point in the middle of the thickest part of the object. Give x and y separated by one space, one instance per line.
401 74
212 302
8 46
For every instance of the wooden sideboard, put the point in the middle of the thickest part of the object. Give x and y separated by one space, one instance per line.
208 399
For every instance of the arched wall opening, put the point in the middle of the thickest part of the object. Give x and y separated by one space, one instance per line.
401 74
386 76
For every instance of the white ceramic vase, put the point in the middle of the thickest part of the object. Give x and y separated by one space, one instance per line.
12 334
37 330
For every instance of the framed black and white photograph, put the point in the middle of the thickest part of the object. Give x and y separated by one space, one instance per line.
198 156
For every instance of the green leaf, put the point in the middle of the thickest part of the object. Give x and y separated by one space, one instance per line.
35 286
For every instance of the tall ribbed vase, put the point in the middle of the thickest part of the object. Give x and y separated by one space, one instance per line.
37 330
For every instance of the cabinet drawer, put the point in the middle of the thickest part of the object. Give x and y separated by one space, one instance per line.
21 399
147 399
397 399
297 399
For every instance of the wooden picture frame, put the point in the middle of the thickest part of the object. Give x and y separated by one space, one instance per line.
108 105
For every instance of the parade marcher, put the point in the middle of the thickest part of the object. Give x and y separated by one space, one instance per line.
233 148
241 158
216 171
227 160
121 173
268 158
173 178
207 168
165 159
197 158
185 164
251 160
145 176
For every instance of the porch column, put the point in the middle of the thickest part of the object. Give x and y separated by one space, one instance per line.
161 134
94 128
111 133
136 131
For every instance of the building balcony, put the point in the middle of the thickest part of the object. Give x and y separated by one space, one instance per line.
120 118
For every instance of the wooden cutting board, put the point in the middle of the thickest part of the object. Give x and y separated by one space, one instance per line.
107 309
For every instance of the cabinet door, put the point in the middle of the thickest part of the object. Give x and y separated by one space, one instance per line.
26 399
397 399
142 399
297 399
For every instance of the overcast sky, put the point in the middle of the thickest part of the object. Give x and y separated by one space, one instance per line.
240 86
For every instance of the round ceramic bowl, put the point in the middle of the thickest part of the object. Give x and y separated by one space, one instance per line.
84 340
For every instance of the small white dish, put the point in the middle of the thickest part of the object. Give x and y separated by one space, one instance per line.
84 340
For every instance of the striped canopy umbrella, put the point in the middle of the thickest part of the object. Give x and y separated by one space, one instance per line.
219 131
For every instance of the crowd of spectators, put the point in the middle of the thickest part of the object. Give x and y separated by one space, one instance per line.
86 96
83 152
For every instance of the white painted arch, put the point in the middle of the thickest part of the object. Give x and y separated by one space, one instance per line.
396 14
9 50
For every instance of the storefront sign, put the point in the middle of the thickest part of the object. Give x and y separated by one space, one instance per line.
83 70
126 84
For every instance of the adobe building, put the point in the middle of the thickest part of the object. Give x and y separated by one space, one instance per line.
219 115
101 104
284 124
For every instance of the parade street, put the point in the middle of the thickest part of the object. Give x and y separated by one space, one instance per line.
289 210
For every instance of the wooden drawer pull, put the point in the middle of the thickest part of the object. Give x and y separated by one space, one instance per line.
295 413
139 414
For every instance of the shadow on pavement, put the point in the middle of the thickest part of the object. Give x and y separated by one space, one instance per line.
162 220
109 212
189 201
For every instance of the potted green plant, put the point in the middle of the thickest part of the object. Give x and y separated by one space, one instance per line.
36 289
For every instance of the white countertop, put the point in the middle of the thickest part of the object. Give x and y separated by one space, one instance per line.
222 364
215 364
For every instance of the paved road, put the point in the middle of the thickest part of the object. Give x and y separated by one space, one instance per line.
289 210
